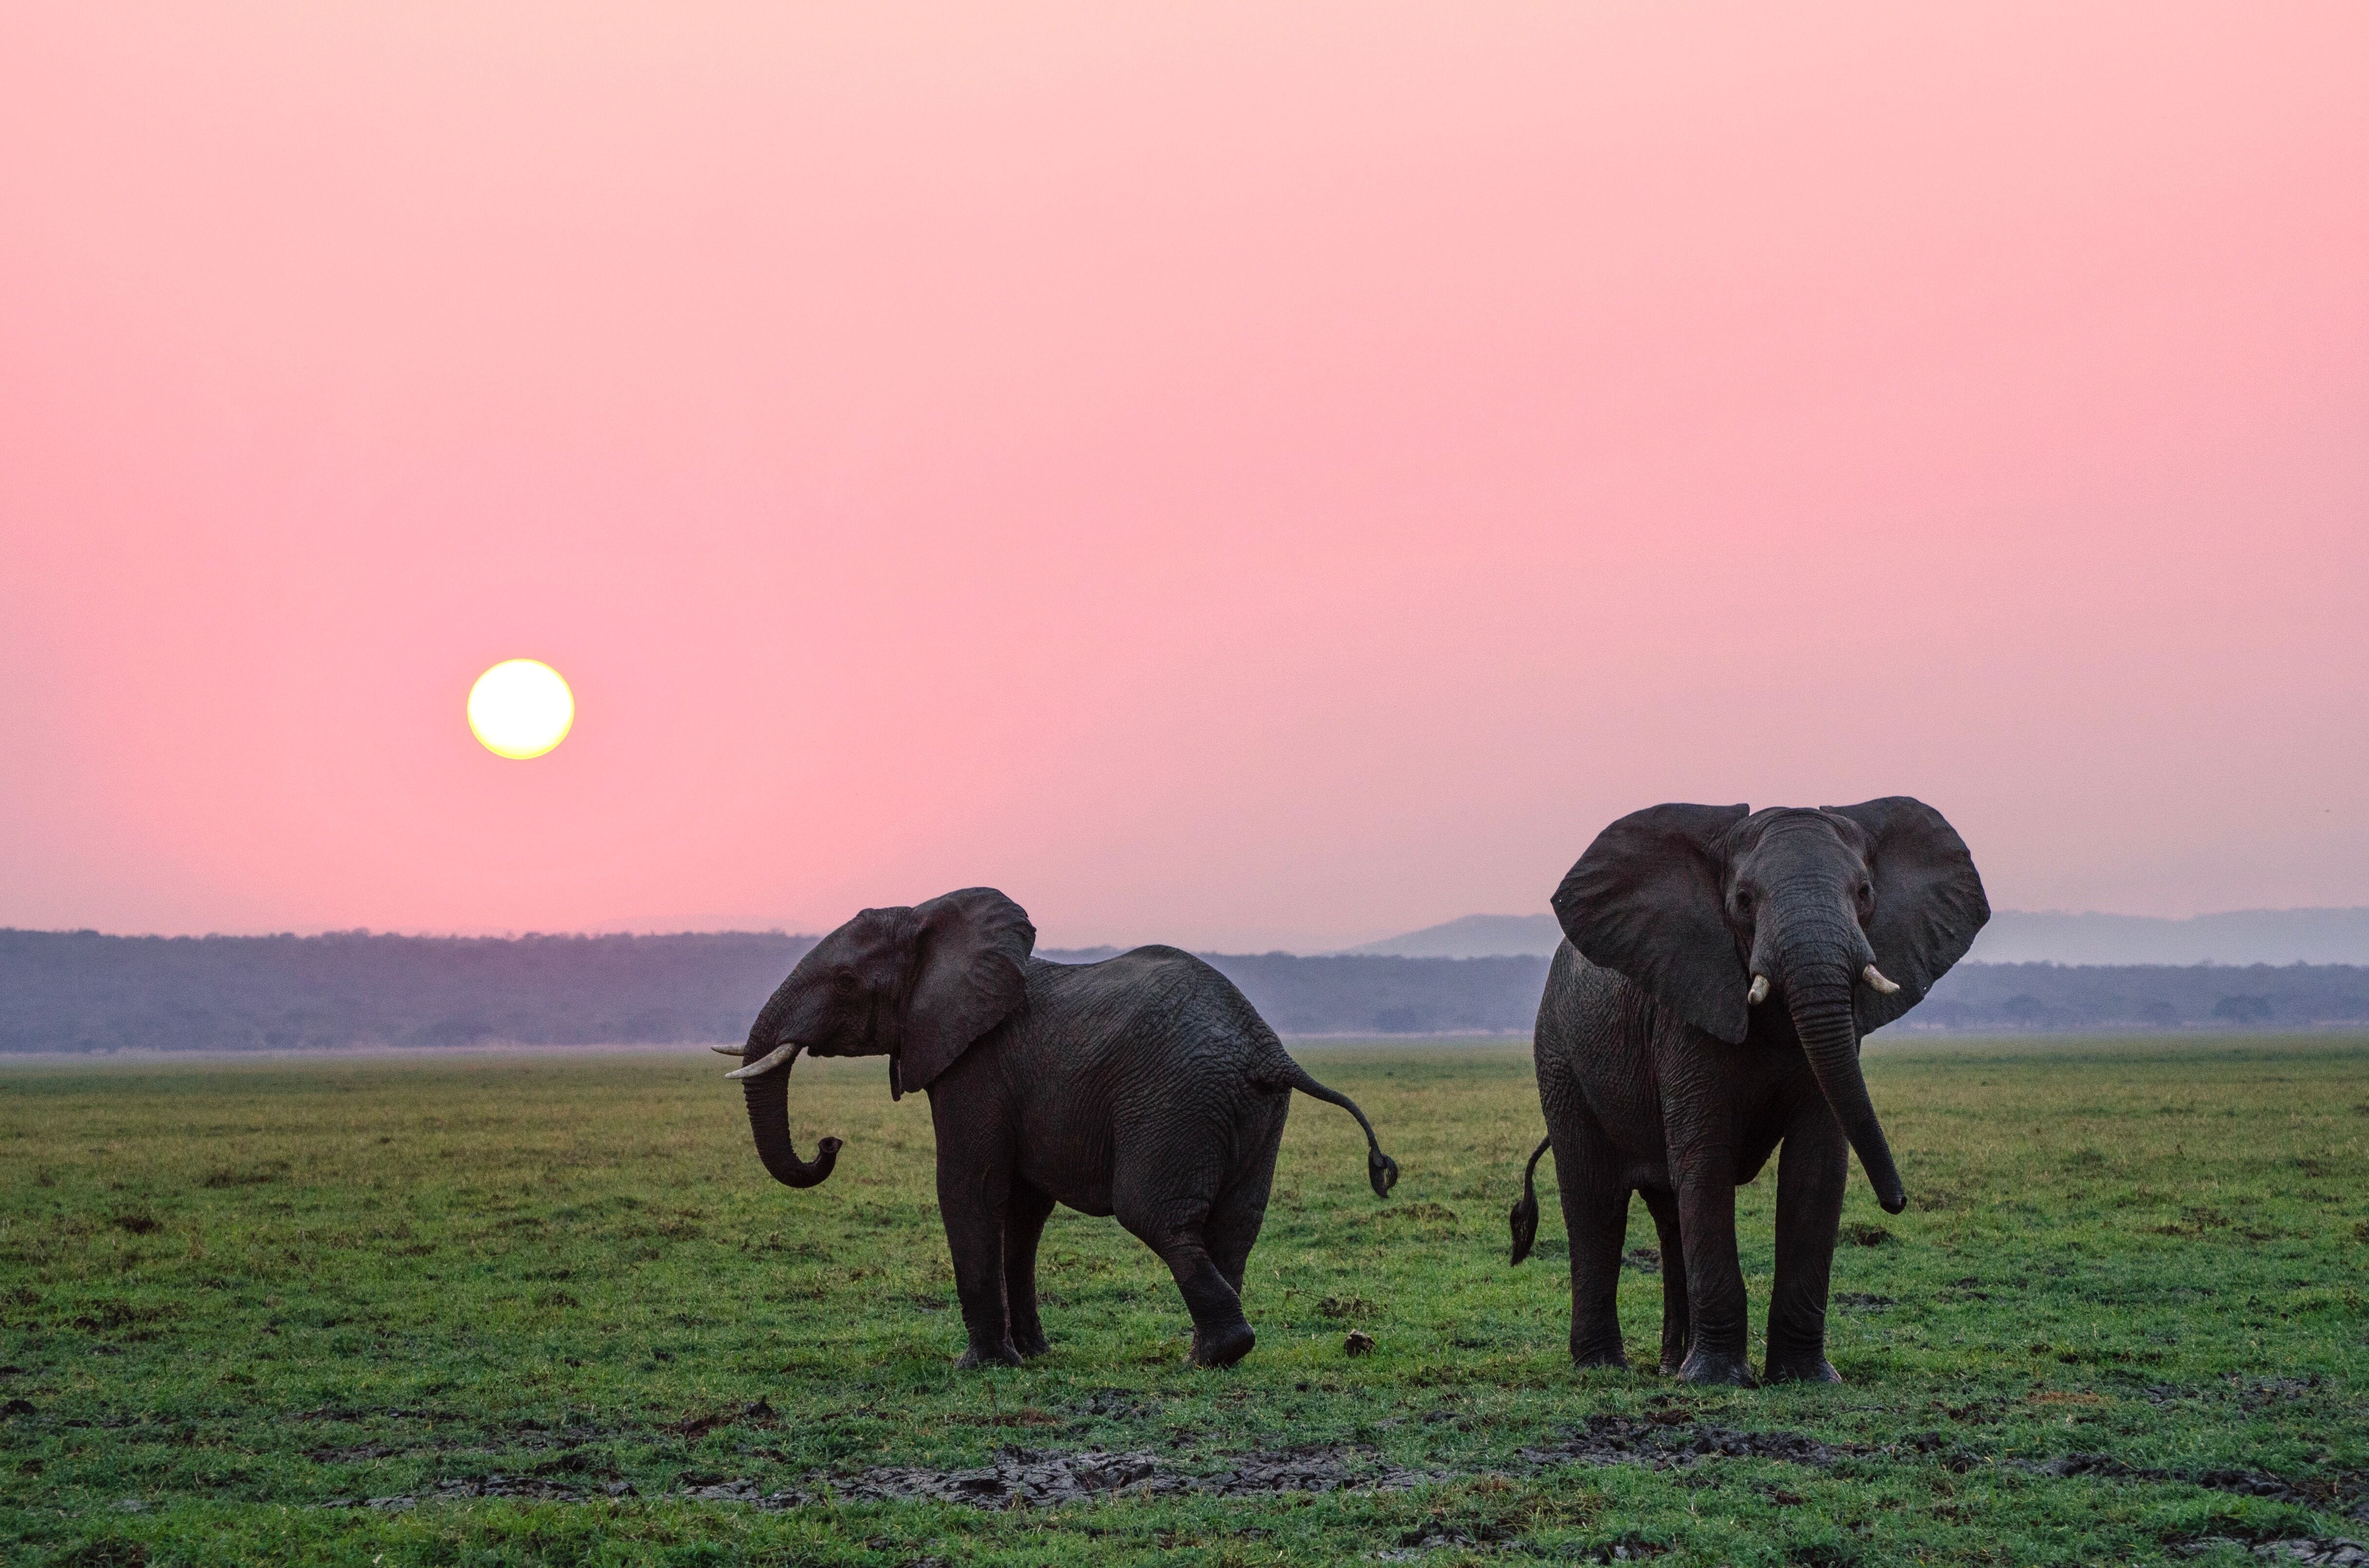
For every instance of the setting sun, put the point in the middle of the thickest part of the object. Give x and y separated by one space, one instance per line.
520 708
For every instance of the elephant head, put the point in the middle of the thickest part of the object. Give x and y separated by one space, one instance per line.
1844 916
917 985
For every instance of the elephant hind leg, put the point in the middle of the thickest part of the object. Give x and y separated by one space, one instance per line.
1023 1225
1234 1220
1221 1335
1663 1207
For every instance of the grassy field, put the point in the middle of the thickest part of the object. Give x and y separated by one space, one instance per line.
552 1310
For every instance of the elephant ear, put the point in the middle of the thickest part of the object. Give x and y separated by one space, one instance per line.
972 952
1649 900
1928 900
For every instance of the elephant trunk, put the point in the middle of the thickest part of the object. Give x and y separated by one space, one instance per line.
768 1095
1818 980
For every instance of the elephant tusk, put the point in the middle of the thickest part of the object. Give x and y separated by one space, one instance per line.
780 1059
1760 991
729 1050
1874 977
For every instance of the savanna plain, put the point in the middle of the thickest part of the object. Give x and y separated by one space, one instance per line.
551 1310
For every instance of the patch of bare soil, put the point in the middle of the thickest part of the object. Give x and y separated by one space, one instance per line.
1023 1478
2336 1552
2336 1492
1661 1443
531 1488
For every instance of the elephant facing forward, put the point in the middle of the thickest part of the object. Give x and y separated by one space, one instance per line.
1719 968
1144 1086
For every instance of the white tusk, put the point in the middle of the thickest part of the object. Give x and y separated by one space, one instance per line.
774 1063
1874 977
1760 991
729 1050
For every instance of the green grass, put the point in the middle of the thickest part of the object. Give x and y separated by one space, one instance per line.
230 1293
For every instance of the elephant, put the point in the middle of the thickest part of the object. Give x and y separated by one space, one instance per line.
1144 1086
1718 968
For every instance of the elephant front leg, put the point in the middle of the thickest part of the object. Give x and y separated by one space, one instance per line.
1596 1219
1714 1280
1812 1174
1664 1208
972 1201
1023 1225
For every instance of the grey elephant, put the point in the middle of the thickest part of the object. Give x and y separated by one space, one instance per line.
1144 1086
1719 968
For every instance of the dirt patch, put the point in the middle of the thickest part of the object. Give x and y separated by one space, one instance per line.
693 1427
1659 1445
1114 1404
1022 1478
529 1488
2335 1551
2336 1492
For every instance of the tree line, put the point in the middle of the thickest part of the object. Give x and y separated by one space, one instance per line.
81 991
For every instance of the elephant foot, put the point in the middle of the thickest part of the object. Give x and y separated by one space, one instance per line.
1031 1345
1221 1347
1584 1357
1805 1370
997 1356
1718 1367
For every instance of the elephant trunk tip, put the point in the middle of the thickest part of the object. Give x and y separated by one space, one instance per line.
1894 1201
796 1172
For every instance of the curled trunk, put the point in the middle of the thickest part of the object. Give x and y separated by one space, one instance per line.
769 1120
1818 994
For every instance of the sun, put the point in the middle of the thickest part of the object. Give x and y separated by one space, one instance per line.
520 708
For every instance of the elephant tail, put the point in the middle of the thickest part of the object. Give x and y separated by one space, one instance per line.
1380 1169
1525 1210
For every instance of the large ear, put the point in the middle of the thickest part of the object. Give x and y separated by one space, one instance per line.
1928 900
1649 899
972 952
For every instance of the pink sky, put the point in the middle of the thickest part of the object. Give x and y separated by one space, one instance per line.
1247 476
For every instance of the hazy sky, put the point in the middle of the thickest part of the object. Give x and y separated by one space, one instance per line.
1244 475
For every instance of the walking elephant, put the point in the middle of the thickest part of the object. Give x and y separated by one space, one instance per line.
1144 1086
1720 968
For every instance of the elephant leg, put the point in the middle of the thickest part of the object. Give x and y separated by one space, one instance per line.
1811 1174
1234 1221
1175 1229
1596 1219
1024 1224
972 1201
1663 1206
1715 1282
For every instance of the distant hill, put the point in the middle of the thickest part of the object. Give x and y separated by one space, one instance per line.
2013 936
1473 936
